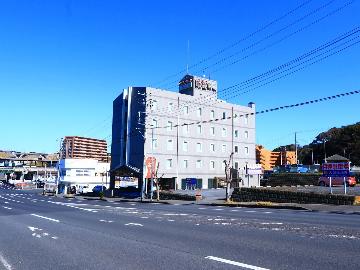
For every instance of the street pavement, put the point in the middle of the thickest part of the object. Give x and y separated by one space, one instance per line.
40 232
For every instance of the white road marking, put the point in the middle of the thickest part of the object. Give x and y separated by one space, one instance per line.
5 263
134 224
51 219
250 211
9 208
244 265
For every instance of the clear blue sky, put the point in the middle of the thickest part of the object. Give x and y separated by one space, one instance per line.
63 62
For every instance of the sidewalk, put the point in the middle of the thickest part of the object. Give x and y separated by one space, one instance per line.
328 208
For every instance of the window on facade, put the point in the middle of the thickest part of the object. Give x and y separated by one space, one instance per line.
199 129
236 133
246 119
236 149
246 134
222 166
153 105
212 131
198 164
186 110
246 150
199 147
212 114
170 106
224 115
185 146
199 112
169 126
169 163
169 145
212 165
186 129
236 165
212 147
223 148
154 123
185 163
223 132
154 144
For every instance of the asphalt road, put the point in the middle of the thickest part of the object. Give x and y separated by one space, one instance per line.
38 232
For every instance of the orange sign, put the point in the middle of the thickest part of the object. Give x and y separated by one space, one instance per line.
150 167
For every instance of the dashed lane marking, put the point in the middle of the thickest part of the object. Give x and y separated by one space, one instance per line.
244 265
47 218
5 263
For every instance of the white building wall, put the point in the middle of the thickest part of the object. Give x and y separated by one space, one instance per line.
163 115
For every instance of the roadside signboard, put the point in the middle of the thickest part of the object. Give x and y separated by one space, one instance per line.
254 169
150 167
338 169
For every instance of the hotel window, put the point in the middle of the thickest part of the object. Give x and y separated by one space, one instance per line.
199 129
199 164
212 131
199 147
236 149
199 112
186 110
154 123
212 114
236 133
185 163
212 147
153 105
246 119
169 145
236 165
224 115
169 163
222 166
223 148
223 132
185 146
169 126
170 106
154 144
246 134
186 129
212 165
246 150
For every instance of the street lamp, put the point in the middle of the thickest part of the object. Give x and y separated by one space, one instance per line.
325 149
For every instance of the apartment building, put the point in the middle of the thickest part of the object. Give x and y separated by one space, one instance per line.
75 147
189 133
269 159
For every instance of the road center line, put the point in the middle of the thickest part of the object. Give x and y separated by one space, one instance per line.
253 267
51 219
5 263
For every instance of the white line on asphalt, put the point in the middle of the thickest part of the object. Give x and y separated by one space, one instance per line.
253 267
134 224
51 219
5 263
7 207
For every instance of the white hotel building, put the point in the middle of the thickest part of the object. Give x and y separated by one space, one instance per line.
208 130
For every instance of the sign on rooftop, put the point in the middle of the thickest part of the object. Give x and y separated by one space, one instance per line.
194 83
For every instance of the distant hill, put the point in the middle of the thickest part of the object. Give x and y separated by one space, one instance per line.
344 141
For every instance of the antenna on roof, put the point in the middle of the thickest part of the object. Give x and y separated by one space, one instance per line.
188 57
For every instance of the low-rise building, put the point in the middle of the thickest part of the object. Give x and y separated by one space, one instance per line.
270 159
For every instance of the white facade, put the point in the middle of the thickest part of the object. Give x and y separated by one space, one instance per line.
195 132
83 173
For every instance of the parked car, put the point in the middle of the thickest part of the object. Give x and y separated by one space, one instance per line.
337 181
98 189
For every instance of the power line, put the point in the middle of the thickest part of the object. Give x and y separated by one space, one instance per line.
274 34
255 81
262 28
323 99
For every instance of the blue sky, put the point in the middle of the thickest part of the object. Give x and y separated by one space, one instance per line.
63 62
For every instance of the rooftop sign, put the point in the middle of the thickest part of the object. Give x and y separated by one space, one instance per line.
197 83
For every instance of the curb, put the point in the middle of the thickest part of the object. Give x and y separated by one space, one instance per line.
258 206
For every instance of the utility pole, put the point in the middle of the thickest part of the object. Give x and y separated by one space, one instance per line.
228 175
177 143
325 150
296 155
152 164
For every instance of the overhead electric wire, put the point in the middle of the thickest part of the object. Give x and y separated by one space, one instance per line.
259 79
291 34
262 28
252 45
